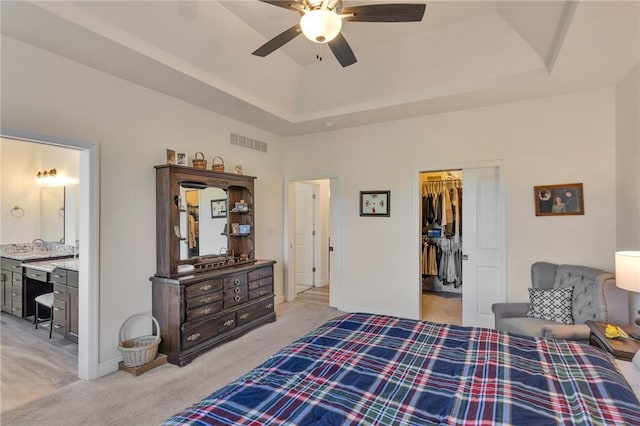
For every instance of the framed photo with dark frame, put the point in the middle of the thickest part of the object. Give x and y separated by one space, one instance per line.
559 200
375 203
219 208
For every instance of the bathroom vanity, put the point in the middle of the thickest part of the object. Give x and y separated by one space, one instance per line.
29 270
209 287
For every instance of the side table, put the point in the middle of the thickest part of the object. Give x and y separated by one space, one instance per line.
620 348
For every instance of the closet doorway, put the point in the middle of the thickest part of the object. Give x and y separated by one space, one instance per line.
481 232
309 241
441 249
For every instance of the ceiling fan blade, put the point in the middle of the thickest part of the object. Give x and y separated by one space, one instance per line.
401 12
290 4
278 41
342 51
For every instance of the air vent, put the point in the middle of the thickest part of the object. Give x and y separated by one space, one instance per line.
247 142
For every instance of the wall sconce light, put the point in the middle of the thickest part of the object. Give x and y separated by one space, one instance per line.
47 178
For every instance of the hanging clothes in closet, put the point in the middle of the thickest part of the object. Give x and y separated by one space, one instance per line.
442 230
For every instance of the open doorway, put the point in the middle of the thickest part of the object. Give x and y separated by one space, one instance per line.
482 232
441 249
309 240
87 220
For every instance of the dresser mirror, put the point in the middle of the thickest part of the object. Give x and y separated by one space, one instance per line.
202 230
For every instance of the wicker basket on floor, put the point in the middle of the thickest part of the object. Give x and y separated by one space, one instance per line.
140 350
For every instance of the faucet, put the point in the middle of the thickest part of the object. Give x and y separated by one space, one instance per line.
40 242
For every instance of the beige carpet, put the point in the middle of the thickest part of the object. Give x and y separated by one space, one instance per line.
442 308
149 399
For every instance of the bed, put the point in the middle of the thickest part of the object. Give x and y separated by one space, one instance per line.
381 370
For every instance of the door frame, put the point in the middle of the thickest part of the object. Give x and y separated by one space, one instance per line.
499 164
89 239
335 233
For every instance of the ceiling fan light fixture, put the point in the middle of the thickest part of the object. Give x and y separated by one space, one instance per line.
320 25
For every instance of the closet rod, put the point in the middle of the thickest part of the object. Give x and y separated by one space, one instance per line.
442 180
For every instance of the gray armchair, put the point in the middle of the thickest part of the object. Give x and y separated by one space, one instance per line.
595 297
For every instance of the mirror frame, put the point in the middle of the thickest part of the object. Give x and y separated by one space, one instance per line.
169 179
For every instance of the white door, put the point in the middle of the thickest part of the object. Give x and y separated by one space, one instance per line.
304 233
482 245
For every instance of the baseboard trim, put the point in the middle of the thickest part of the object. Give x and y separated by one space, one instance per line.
108 367
368 310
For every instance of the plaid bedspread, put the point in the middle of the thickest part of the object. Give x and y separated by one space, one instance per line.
380 370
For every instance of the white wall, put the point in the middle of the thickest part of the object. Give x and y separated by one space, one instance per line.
50 95
628 167
557 140
20 161
628 161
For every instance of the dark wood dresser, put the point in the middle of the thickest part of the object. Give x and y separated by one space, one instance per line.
208 288
197 312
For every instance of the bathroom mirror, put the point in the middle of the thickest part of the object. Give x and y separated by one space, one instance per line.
202 231
52 213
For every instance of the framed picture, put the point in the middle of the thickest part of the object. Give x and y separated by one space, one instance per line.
375 203
171 156
181 158
219 208
559 200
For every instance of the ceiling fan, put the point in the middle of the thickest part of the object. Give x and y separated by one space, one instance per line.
321 22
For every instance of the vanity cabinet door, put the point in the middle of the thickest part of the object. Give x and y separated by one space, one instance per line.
5 291
72 314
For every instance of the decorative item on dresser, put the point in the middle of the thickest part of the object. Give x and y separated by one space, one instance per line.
209 287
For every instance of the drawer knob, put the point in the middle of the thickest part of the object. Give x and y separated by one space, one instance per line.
244 316
57 276
193 337
206 287
260 274
261 284
205 299
58 309
262 292
228 322
236 281
34 275
237 298
58 326
15 309
206 311
269 306
236 290
57 292
14 294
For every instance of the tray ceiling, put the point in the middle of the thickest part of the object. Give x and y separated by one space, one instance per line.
462 55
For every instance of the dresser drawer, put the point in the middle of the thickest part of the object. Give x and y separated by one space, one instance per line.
200 332
16 289
235 296
17 311
203 311
60 291
34 274
12 265
235 281
203 287
59 276
260 292
16 280
204 299
59 317
264 282
255 310
259 273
